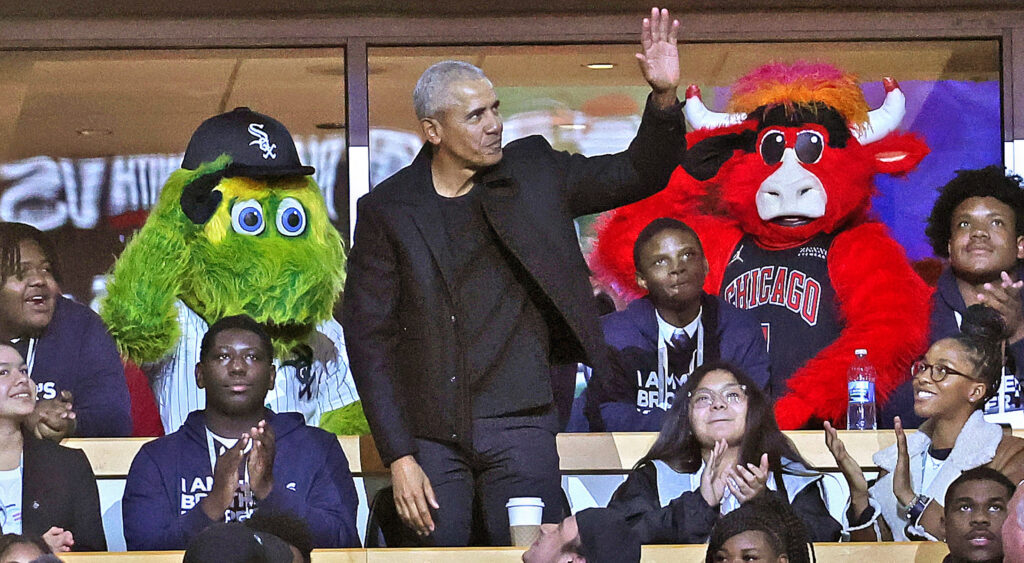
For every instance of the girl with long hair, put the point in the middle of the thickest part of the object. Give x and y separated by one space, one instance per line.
718 448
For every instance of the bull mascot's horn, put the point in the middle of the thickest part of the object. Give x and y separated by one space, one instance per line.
881 121
886 118
700 117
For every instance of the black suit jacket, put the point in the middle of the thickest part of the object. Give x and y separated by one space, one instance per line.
398 315
59 489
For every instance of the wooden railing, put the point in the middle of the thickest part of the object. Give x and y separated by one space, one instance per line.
593 453
919 552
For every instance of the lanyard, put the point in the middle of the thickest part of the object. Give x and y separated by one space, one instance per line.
31 359
663 377
243 483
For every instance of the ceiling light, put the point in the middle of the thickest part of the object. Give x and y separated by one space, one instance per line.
600 66
572 126
94 132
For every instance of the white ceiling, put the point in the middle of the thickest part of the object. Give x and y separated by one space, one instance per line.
151 101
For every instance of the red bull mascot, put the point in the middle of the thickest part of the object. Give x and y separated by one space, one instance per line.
779 190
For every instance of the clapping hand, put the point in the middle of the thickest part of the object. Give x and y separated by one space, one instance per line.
225 481
54 419
1004 297
748 482
713 479
659 61
59 539
261 460
901 486
851 469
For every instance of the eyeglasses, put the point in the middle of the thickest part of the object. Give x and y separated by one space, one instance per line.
936 372
730 395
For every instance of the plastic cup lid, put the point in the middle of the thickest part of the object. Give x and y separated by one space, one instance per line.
524 501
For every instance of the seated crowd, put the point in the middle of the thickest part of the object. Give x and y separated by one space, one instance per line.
236 481
720 471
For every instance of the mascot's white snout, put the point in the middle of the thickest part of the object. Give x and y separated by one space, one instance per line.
791 192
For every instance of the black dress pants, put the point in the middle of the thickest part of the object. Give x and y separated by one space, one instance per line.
512 456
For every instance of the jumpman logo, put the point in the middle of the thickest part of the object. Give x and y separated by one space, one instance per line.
262 140
736 257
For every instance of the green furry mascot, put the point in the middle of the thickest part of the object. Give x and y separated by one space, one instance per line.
241 228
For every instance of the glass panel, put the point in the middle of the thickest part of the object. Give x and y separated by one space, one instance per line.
952 89
88 138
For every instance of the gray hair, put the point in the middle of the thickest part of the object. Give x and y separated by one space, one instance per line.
432 93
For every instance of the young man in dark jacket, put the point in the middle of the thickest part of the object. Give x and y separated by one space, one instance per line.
978 223
80 384
662 337
236 457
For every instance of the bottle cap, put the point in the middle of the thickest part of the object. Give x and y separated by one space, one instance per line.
860 352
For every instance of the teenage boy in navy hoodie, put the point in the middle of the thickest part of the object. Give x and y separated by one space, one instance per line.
236 456
673 329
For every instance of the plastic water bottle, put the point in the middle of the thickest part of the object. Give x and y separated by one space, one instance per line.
860 410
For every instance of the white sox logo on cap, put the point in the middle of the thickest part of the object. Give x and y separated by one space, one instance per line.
262 140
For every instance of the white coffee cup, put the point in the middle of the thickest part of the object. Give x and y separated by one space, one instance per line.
524 518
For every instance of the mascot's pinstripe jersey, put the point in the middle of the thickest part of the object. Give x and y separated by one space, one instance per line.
784 179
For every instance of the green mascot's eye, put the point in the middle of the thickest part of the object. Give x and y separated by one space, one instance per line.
247 217
291 217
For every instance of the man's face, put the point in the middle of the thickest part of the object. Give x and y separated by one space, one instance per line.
237 373
28 296
469 129
557 543
983 240
974 521
672 269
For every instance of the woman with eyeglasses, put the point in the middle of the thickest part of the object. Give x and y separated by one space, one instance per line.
719 447
46 490
951 383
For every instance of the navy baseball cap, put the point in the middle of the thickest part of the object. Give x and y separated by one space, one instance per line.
259 146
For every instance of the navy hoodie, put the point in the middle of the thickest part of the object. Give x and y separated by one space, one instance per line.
75 352
170 475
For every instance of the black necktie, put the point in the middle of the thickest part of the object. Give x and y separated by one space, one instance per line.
680 352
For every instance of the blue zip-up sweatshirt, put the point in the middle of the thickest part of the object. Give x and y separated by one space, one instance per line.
75 352
170 475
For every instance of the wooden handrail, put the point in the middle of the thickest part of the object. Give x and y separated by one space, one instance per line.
832 552
600 452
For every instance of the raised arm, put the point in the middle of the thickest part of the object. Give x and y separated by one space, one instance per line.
659 59
605 182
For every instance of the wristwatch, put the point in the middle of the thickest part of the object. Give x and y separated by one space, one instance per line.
916 507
